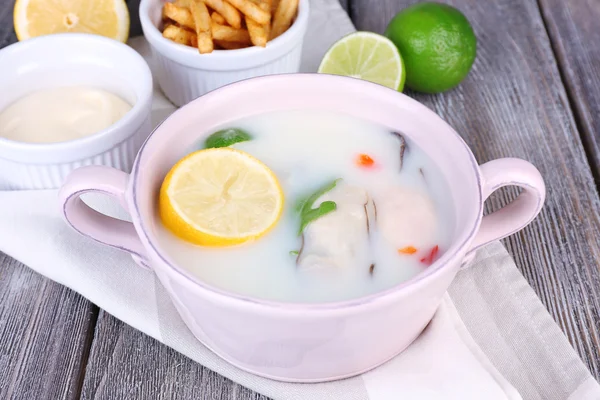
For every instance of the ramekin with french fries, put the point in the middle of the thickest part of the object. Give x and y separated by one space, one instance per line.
200 45
227 24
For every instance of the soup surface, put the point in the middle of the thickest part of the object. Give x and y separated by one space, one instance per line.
393 217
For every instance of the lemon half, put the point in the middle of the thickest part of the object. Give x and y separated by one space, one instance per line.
220 197
108 18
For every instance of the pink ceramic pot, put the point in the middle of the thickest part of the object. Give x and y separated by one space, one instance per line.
304 342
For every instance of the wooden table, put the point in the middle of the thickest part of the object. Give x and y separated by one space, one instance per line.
534 93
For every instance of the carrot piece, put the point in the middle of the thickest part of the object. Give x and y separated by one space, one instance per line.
364 160
407 250
431 256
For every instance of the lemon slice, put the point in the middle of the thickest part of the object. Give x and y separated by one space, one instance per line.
367 56
108 18
220 197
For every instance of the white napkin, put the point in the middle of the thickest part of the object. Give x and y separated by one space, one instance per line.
491 338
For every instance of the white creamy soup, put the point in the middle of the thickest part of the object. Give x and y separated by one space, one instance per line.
393 217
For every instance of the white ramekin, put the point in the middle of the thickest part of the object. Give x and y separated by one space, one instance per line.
183 74
70 60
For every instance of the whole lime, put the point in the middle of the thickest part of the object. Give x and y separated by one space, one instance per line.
437 44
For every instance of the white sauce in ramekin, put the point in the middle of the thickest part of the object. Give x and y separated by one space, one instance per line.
61 114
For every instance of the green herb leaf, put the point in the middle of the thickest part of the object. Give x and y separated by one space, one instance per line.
226 137
306 203
294 253
315 213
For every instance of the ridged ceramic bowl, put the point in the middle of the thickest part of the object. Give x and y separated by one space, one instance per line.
72 60
183 74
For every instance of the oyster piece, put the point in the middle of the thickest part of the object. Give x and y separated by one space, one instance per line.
340 239
406 217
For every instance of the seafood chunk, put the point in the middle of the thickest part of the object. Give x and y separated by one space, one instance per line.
340 239
406 217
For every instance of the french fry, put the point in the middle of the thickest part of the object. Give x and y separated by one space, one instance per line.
203 29
180 15
229 45
259 33
227 11
230 34
268 4
218 18
249 9
274 4
178 35
286 10
203 23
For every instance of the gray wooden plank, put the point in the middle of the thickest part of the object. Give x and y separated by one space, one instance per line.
345 5
127 364
7 34
514 104
575 34
135 28
44 335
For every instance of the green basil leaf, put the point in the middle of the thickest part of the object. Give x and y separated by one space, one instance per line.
226 137
306 203
315 213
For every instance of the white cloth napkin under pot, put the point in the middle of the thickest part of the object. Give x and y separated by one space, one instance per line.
491 338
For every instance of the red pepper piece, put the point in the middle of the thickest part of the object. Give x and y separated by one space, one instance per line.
364 160
407 250
431 256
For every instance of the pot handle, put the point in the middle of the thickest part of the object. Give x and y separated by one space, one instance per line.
520 212
93 224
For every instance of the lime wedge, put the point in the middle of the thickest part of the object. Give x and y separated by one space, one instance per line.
226 138
367 56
